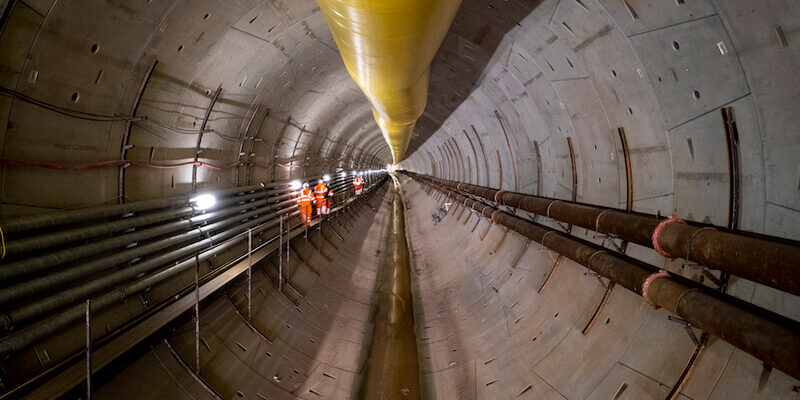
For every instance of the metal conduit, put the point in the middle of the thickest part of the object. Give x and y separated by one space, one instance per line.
39 242
82 215
759 332
767 262
56 279
39 263
39 331
50 240
68 296
61 277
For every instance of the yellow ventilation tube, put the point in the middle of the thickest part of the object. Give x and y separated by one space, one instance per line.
387 47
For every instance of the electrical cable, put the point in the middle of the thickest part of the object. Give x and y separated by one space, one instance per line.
66 111
3 241
110 118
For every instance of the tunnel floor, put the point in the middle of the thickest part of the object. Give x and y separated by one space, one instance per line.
406 296
392 368
342 326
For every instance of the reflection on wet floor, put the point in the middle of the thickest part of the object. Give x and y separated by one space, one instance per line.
392 370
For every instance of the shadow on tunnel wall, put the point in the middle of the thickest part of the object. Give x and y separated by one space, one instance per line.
473 38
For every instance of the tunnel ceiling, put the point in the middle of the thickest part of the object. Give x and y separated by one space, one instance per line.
286 106
651 106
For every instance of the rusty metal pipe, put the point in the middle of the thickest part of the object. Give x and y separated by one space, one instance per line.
768 262
775 341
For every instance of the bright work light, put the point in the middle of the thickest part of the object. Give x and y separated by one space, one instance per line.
204 201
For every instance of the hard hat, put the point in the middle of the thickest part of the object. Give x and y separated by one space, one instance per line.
305 185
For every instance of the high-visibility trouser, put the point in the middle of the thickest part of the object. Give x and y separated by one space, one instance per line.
323 206
305 212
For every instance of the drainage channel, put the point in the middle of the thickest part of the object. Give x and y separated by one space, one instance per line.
392 370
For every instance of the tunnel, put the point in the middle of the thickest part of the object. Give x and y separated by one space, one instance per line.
600 200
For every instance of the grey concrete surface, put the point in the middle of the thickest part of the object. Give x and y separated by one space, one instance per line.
513 80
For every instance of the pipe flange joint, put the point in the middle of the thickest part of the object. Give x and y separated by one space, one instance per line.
657 233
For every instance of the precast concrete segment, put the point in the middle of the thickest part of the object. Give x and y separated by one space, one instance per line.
345 284
295 347
770 261
47 220
392 370
770 338
485 333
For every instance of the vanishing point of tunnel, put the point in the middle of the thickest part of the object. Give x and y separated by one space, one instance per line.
400 199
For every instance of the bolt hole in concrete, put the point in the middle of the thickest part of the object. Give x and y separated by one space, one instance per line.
75 97
676 46
630 111
180 48
95 48
696 95
206 16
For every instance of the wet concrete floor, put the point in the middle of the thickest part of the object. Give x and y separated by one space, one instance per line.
392 370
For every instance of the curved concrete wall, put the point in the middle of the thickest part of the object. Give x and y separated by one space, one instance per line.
512 85
501 317
282 110
309 340
662 71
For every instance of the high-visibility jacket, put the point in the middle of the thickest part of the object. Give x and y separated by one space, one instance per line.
305 197
321 191
358 183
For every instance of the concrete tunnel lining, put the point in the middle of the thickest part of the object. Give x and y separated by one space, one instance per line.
498 317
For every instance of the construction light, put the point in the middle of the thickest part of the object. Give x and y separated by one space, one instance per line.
296 185
326 178
204 201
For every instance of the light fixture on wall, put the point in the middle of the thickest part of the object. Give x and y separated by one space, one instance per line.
204 201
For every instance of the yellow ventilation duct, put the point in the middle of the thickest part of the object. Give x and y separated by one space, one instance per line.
388 46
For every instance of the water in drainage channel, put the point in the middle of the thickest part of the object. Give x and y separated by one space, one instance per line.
392 370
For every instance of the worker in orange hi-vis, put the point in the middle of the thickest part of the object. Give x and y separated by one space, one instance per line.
304 199
322 194
358 183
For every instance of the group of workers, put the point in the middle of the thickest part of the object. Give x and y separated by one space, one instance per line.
321 198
